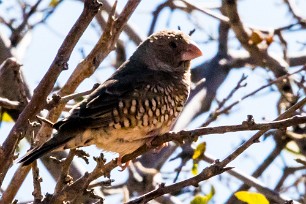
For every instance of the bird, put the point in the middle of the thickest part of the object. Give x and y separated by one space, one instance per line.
140 101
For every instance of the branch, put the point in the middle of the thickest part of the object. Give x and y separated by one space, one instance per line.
36 183
182 136
56 99
286 173
8 104
18 33
104 169
64 178
10 192
208 12
104 46
4 48
86 68
129 29
45 86
207 173
253 182
12 84
295 11
276 64
289 113
297 59
280 144
191 135
213 116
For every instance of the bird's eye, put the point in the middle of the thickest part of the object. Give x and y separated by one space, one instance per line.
173 44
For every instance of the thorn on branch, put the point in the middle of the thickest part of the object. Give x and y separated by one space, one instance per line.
56 160
34 123
162 185
56 98
192 31
196 185
91 195
63 64
249 121
228 168
301 161
107 182
68 180
41 119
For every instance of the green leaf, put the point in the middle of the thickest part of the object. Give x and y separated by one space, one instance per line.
200 149
251 197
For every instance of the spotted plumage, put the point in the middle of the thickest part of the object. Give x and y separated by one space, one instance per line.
141 100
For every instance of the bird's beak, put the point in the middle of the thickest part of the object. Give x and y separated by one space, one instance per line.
192 51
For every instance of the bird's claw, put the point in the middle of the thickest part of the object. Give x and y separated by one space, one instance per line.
122 166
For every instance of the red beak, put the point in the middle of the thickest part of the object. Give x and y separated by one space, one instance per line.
192 51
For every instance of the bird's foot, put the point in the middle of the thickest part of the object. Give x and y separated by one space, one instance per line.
122 166
156 150
159 148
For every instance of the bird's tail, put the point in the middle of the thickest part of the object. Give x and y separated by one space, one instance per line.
38 152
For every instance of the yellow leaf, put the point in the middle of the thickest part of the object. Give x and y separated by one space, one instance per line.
203 199
211 193
199 199
53 3
256 37
251 197
269 39
200 149
194 169
6 117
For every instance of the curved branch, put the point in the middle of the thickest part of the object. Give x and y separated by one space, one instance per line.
45 86
207 173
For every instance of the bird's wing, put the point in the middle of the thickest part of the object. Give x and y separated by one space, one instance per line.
96 110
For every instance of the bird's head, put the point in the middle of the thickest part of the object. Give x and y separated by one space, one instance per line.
168 51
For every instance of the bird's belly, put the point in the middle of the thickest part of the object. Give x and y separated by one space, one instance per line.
127 140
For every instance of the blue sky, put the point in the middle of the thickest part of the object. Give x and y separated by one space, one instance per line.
45 40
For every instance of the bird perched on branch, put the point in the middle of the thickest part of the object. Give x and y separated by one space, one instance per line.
140 101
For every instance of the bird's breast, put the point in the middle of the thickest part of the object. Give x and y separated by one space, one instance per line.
144 114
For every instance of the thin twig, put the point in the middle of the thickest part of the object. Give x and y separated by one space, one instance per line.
45 86
289 113
64 178
6 103
210 13
105 44
286 173
207 173
181 136
280 144
17 179
251 181
213 116
239 85
293 8
36 183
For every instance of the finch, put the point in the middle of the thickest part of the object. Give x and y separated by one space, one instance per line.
140 101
